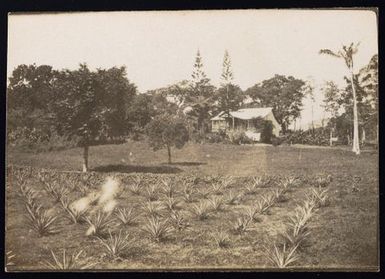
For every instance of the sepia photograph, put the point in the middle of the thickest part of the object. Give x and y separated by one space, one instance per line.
192 140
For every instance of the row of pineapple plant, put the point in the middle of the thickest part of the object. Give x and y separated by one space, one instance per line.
157 226
297 231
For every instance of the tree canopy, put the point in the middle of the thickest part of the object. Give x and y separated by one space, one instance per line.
84 105
200 96
229 96
283 94
167 131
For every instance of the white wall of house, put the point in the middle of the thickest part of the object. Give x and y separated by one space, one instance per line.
218 125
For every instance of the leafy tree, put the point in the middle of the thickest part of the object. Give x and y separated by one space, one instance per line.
346 54
266 129
141 110
368 82
229 95
161 104
91 106
200 96
29 97
116 93
227 73
339 102
283 94
332 98
172 97
167 131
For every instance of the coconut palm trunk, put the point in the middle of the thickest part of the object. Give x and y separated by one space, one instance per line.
346 54
85 158
169 153
356 140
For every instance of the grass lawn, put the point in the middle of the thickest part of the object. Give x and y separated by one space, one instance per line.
342 235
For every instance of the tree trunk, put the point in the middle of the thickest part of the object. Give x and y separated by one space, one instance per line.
363 139
331 136
356 141
169 154
85 158
348 136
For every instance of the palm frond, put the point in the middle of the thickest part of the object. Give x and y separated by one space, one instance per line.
329 52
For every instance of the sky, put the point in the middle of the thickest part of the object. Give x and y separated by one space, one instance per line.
159 48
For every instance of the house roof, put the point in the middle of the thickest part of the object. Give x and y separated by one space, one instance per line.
245 113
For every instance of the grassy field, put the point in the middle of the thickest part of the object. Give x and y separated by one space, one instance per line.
205 159
342 234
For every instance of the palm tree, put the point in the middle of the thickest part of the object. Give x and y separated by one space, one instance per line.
346 54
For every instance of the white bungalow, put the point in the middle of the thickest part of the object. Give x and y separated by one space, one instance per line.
245 119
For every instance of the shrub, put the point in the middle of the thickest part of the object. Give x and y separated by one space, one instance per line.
221 238
279 194
150 193
116 244
281 257
67 262
319 197
217 188
295 236
238 137
74 214
37 140
56 191
153 208
297 223
287 182
171 203
234 198
98 224
252 187
29 196
41 221
275 141
242 224
267 131
218 137
177 221
9 256
168 188
323 180
126 216
216 203
251 212
136 186
267 202
202 210
318 136
188 194
157 229
205 192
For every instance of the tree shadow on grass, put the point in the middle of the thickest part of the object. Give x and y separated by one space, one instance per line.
137 168
186 164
